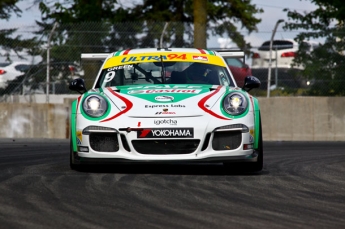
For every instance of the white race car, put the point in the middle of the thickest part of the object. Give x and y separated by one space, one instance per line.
165 106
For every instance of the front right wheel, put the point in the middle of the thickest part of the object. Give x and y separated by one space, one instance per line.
72 163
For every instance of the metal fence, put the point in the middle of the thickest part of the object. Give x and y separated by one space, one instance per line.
67 42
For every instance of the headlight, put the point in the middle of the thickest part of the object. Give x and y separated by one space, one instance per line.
95 106
235 103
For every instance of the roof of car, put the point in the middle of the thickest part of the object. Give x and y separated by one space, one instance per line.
102 56
150 50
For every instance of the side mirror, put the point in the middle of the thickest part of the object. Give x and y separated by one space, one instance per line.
78 85
251 82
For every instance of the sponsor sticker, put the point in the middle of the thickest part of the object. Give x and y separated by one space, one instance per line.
166 133
251 136
79 137
154 91
164 98
165 112
171 56
156 106
165 122
165 106
156 86
129 66
202 58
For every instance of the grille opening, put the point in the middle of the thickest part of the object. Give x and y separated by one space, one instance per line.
226 140
125 143
207 140
104 142
164 147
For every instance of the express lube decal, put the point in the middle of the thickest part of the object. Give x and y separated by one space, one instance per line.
166 133
165 106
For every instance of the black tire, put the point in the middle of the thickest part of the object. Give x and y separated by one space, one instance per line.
250 166
72 164
258 165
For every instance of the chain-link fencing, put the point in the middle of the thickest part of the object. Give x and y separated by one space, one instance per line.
54 59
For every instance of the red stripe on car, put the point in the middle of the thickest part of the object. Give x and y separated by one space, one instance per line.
128 103
202 102
78 104
202 51
126 52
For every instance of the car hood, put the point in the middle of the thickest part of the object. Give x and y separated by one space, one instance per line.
165 100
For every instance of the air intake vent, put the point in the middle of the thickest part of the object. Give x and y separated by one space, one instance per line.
226 140
104 142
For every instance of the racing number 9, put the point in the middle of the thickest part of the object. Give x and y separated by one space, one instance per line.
109 76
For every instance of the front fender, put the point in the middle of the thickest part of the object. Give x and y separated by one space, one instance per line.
257 121
73 131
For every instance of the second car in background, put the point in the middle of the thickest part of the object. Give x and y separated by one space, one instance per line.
11 71
283 53
238 67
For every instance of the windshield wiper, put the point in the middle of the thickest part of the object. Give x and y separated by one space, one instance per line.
148 75
163 70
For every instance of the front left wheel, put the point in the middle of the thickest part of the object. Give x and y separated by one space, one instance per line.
250 166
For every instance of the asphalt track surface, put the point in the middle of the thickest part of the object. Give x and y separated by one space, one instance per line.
302 186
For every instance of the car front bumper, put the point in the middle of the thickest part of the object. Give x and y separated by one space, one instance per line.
233 159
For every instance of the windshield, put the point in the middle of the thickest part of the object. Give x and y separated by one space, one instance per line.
164 73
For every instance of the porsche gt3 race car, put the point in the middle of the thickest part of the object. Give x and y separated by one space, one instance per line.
165 106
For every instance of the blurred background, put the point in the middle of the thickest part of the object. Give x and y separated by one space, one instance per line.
292 43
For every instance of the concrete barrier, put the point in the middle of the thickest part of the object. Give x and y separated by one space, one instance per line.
303 118
32 120
283 119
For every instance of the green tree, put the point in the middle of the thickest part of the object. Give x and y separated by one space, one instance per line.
325 65
83 26
200 22
220 17
7 7
224 18
87 26
80 26
9 41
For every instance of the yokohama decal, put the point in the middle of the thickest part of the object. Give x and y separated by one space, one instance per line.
202 102
128 103
166 133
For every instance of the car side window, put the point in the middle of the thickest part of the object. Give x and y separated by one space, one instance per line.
234 62
277 44
22 67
